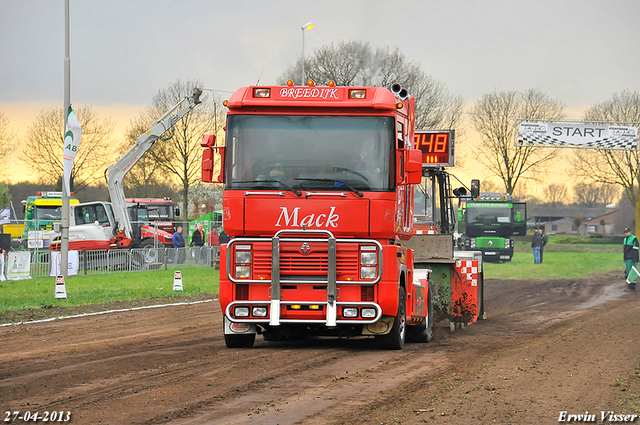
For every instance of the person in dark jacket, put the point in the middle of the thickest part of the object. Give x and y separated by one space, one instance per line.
543 239
631 248
197 241
536 244
223 237
178 246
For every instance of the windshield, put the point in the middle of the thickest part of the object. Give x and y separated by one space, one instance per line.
87 214
49 213
159 212
423 202
310 152
488 215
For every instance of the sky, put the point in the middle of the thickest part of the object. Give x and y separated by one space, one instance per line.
123 52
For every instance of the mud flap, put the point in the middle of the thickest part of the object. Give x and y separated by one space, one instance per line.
381 327
231 328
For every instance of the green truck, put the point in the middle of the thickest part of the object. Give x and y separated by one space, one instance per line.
488 222
41 211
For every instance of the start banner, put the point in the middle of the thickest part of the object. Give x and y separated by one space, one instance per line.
577 135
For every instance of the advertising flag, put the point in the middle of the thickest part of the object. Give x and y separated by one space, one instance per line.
5 215
72 135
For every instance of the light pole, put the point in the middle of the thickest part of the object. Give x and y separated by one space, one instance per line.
306 26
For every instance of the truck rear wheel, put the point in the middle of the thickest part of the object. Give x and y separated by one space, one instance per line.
394 340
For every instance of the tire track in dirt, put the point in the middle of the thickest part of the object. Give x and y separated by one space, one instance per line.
171 366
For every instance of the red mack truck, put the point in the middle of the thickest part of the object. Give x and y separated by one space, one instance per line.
318 202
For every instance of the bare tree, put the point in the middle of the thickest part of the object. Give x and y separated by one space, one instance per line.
207 194
7 140
609 193
179 153
578 219
614 167
42 148
490 186
556 194
346 63
494 117
356 63
591 195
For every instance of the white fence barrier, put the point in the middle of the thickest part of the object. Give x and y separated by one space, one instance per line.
42 263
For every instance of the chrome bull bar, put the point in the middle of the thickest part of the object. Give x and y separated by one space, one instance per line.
311 321
332 293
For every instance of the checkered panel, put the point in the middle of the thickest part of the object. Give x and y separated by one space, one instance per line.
542 139
468 269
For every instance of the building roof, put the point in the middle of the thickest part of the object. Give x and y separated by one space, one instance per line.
569 212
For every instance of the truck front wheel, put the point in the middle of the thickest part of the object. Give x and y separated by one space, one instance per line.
394 340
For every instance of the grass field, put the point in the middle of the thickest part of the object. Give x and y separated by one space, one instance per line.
104 288
560 261
555 265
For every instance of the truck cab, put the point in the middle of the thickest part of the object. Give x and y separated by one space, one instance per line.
159 213
92 226
488 223
42 212
317 199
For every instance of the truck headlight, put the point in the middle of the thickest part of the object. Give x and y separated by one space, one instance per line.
243 272
241 312
369 258
368 313
259 312
473 243
243 257
368 272
350 312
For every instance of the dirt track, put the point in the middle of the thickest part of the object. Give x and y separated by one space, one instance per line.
546 347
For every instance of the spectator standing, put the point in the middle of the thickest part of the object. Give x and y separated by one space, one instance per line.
178 246
631 248
536 244
214 238
223 238
543 243
2 255
197 241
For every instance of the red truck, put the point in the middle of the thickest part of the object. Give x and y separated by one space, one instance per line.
149 214
317 201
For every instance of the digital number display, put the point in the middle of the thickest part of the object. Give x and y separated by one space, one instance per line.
436 147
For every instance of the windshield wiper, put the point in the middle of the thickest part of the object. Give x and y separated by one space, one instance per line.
286 186
336 183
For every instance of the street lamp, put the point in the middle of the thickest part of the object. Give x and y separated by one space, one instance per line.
306 26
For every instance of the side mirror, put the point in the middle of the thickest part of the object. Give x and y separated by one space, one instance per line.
208 159
177 212
412 166
475 188
459 192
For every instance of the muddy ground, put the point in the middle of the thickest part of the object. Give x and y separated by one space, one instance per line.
546 347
